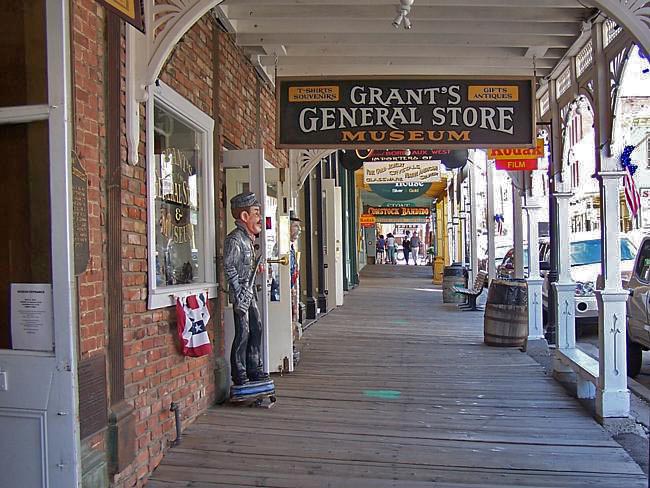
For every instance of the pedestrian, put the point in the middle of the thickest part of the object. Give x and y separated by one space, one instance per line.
381 247
406 246
390 248
415 247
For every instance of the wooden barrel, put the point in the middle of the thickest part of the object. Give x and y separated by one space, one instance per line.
453 275
506 313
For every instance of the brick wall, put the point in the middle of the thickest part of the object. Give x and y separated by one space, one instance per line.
155 373
88 57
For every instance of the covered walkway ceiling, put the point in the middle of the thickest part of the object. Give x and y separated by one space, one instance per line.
448 37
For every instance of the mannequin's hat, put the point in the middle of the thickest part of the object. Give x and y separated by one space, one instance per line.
244 200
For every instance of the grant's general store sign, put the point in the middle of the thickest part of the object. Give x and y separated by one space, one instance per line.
411 112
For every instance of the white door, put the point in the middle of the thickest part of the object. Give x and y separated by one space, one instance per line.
39 436
246 170
333 243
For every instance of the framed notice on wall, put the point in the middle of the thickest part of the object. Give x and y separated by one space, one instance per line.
32 318
132 11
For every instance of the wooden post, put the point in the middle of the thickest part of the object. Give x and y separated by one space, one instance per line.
535 325
518 229
473 241
491 265
612 395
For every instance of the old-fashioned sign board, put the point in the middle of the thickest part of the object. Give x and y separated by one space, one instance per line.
399 211
80 217
367 220
517 159
451 159
132 11
93 399
405 112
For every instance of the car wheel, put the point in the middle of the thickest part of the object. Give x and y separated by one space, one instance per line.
634 358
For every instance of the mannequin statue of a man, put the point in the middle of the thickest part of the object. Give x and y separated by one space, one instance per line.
240 266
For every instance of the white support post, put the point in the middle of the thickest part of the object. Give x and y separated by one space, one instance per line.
451 228
564 288
491 265
535 281
612 395
473 240
518 229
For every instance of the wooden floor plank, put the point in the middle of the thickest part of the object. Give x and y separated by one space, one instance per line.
397 389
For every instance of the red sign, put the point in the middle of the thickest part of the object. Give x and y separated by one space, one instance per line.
516 164
517 153
367 220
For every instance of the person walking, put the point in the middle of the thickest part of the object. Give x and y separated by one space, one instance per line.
406 247
381 247
390 248
415 247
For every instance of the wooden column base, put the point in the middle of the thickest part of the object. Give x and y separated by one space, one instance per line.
121 437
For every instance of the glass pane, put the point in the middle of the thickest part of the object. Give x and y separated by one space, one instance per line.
25 251
178 183
23 62
272 240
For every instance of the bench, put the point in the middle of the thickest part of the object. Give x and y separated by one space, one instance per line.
585 367
472 294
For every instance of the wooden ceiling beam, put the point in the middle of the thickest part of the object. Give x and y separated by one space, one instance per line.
347 26
416 40
418 13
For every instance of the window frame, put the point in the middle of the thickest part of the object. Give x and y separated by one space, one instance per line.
188 113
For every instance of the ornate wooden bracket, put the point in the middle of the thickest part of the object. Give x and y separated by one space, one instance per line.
166 21
302 161
632 15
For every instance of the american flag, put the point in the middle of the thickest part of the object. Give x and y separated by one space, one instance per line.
193 314
632 196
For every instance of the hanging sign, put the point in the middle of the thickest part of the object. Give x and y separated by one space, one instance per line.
517 159
129 10
401 191
367 220
407 112
401 172
399 211
354 159
516 164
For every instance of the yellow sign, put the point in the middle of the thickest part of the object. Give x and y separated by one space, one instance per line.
314 93
367 220
496 93
129 10
518 153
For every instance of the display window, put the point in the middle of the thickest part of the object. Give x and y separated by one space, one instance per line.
181 198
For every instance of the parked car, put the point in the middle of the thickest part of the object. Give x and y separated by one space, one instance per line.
638 309
506 268
585 252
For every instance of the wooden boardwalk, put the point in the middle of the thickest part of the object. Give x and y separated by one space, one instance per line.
397 389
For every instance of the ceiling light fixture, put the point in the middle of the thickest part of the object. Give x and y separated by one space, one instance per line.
402 16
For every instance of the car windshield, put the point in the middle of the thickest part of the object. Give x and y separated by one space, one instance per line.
588 252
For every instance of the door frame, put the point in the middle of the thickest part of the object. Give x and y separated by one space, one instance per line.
62 442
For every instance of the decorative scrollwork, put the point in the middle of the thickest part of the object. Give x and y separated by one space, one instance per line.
616 65
632 15
166 21
307 159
